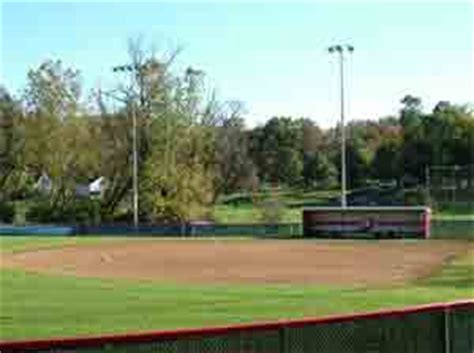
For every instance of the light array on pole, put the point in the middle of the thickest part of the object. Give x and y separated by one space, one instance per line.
340 49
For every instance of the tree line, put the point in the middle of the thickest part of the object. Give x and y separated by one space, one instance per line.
192 148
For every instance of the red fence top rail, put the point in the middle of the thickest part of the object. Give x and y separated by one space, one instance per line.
143 337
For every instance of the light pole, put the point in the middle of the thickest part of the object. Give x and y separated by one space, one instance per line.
341 50
131 68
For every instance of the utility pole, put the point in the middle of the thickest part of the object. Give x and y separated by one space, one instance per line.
135 165
133 113
341 50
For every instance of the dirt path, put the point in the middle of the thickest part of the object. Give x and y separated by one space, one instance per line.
245 261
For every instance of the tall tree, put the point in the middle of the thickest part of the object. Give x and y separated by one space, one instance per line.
53 90
57 131
234 168
277 149
11 146
144 88
450 131
319 171
416 152
411 112
386 162
177 174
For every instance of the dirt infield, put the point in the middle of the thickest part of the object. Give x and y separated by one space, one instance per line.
245 261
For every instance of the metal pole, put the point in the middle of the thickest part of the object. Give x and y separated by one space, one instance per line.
428 186
135 166
453 184
340 49
130 100
343 135
447 331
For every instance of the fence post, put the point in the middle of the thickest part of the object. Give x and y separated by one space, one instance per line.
284 344
447 329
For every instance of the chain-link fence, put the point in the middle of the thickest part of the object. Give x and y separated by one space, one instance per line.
440 229
443 328
450 185
184 230
452 229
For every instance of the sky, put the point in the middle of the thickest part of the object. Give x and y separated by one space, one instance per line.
272 56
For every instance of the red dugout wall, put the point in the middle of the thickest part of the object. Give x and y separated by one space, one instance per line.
374 222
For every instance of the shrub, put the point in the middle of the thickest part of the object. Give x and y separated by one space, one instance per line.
7 212
418 196
83 212
41 211
271 209
76 211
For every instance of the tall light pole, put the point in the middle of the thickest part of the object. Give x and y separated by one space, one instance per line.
131 68
341 50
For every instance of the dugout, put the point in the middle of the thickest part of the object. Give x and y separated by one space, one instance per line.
367 222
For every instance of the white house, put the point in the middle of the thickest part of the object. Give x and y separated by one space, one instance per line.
94 188
44 184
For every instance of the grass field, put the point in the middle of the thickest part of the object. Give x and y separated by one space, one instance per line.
248 213
37 305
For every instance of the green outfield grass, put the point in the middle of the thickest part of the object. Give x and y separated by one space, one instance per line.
38 306
21 243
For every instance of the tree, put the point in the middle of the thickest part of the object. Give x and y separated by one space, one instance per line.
114 146
145 88
176 183
177 166
277 148
12 176
416 152
234 168
176 138
450 131
443 137
53 90
58 133
290 166
319 171
386 162
313 137
410 114
357 164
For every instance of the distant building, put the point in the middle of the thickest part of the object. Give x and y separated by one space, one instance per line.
94 188
44 184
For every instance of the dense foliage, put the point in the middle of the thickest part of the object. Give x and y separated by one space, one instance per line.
191 149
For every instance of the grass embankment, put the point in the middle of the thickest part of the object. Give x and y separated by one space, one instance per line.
38 306
249 213
245 208
460 212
